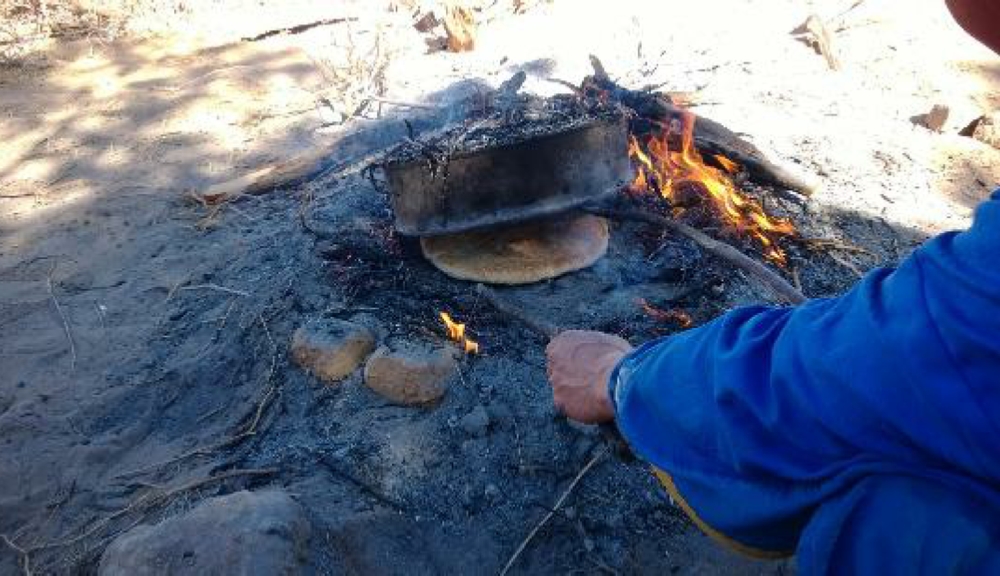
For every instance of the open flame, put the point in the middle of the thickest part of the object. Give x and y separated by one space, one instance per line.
456 332
658 168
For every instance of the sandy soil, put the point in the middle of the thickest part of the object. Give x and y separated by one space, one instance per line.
119 350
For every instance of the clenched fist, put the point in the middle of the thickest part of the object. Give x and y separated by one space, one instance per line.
579 366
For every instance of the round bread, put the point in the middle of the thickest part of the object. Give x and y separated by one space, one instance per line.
522 253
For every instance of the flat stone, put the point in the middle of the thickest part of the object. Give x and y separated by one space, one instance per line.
476 422
411 373
331 349
245 533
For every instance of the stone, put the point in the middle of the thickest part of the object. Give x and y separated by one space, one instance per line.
411 373
331 349
935 119
520 253
476 422
245 533
986 129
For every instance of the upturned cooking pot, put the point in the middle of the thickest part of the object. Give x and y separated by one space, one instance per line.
536 177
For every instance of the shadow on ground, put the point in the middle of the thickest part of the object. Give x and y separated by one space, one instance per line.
180 337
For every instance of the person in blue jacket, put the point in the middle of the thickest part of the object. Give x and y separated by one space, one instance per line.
860 433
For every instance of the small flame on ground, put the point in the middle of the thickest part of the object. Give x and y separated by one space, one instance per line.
673 316
456 332
658 168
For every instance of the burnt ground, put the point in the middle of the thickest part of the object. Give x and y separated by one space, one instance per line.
180 331
389 489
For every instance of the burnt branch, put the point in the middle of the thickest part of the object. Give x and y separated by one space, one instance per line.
778 285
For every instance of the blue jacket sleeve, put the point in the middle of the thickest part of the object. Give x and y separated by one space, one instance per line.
764 414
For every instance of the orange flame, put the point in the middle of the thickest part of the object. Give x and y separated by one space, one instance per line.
656 162
456 332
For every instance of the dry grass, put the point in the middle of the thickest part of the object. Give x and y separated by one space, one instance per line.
27 26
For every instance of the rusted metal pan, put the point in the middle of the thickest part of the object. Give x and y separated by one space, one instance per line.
537 177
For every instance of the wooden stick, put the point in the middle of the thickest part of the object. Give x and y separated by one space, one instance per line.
403 104
548 516
609 432
507 307
778 285
65 322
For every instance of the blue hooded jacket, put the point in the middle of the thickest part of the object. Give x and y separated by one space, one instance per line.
860 432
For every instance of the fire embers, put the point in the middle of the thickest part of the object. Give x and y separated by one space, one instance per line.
456 332
674 316
668 164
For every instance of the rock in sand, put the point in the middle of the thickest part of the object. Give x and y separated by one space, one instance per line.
411 373
986 129
476 422
245 533
331 349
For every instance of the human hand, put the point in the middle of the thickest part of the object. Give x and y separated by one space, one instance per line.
579 367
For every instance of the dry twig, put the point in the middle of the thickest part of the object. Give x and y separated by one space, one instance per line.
555 508
25 560
846 264
158 495
251 429
403 104
828 244
62 317
215 287
504 306
151 499
815 33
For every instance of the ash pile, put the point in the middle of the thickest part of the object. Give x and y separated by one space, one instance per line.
420 282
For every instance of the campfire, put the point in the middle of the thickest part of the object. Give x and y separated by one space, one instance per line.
503 197
670 170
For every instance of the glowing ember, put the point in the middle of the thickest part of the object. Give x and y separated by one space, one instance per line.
456 332
661 169
673 316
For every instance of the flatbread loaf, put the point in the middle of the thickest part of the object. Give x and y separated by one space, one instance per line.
522 253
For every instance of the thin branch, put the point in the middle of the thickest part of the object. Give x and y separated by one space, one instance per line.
778 285
151 499
555 508
846 264
25 561
62 317
215 287
403 104
507 307
251 429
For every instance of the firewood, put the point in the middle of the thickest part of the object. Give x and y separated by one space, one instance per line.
710 136
460 25
266 179
778 285
817 35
